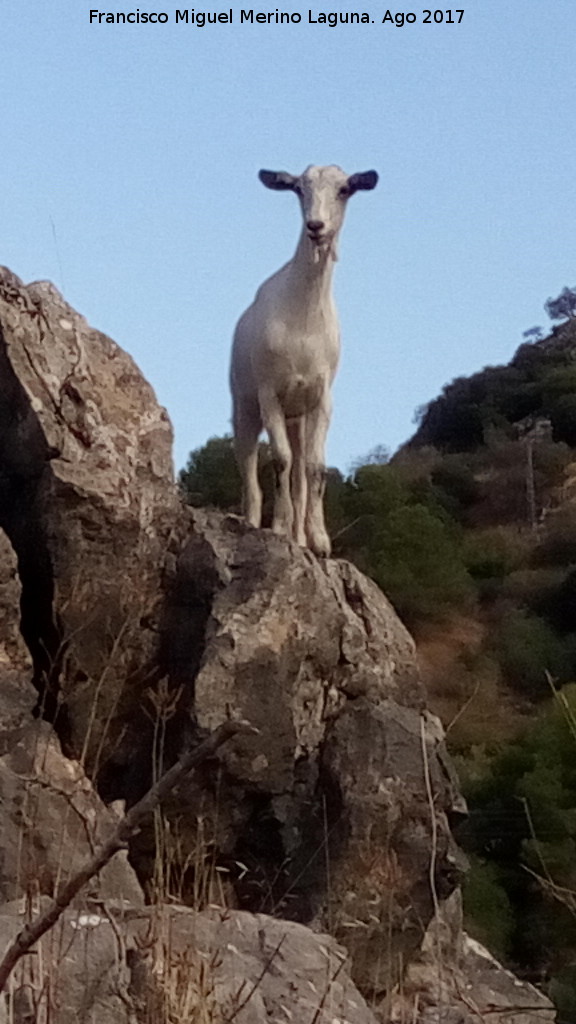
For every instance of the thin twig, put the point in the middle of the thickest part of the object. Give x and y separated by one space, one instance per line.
463 709
257 983
326 992
124 831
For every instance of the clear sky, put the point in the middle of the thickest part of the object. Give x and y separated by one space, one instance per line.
129 178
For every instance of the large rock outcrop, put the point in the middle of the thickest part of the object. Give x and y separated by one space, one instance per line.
87 501
333 806
147 624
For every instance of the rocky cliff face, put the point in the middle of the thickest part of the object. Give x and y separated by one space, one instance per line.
143 625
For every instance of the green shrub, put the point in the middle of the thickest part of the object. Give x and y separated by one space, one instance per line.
557 545
527 648
211 476
562 989
563 419
488 912
417 563
493 553
522 825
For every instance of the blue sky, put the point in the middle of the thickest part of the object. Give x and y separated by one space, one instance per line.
129 178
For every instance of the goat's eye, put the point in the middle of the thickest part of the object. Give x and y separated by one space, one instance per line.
298 190
344 192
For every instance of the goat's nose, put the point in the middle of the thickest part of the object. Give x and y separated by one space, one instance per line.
315 226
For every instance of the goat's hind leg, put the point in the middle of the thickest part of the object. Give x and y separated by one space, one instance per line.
247 429
317 423
275 424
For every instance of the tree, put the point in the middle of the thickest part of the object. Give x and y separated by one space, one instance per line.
211 476
563 307
533 334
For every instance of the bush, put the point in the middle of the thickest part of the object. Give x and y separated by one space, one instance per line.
211 476
563 419
488 912
493 553
458 490
558 544
418 565
523 816
527 648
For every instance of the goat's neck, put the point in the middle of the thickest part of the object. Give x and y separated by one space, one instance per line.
311 270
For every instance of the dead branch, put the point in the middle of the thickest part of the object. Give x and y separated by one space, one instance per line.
240 1006
327 991
118 840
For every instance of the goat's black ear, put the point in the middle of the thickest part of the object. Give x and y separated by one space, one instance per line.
278 180
362 182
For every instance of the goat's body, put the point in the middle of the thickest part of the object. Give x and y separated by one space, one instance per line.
284 358
288 341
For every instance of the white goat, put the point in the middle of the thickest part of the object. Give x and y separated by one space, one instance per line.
284 357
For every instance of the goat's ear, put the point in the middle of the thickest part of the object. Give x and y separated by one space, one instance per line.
278 180
362 182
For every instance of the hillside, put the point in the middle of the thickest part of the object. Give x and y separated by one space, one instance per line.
538 383
497 451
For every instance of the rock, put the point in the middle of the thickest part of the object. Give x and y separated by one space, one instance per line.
17 695
330 810
499 996
176 965
13 651
50 817
455 980
87 499
52 821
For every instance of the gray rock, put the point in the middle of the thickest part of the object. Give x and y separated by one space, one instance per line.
17 695
455 980
52 821
163 965
87 499
333 805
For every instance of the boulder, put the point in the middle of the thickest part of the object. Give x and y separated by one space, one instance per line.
455 979
173 964
17 695
51 819
338 811
51 823
87 499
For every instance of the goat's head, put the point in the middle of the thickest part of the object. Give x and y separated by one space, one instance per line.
323 192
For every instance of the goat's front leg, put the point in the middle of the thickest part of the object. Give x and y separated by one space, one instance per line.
317 423
274 422
247 429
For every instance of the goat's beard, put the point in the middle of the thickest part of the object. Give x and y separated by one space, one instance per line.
329 248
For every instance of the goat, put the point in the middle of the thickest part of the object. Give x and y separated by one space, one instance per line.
284 358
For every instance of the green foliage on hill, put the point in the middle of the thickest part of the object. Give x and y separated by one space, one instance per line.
538 383
398 530
521 896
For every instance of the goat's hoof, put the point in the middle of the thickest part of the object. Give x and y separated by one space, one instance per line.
320 546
